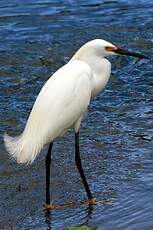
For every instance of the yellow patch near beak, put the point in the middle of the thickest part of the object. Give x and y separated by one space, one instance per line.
111 48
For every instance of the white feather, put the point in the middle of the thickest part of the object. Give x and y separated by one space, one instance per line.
63 100
57 108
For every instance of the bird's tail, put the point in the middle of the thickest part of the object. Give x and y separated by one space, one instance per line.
22 148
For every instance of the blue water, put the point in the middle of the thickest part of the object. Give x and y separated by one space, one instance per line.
36 38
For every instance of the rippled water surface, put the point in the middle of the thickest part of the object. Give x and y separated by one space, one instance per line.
36 38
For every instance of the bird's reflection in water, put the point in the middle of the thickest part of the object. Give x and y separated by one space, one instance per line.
48 219
86 218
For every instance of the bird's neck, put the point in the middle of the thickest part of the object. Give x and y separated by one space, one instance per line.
101 69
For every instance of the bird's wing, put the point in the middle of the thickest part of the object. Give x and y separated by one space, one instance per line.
61 102
59 106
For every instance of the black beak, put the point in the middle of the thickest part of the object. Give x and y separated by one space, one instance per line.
130 53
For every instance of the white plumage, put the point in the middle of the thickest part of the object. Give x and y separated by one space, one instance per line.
64 99
58 107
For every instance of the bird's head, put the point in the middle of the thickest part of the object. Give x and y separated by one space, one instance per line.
103 48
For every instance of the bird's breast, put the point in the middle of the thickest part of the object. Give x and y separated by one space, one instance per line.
101 77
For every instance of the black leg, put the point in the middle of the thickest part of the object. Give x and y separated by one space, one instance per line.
79 166
48 163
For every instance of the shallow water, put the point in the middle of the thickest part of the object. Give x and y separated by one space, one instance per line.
36 38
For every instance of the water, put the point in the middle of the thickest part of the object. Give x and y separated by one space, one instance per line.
36 38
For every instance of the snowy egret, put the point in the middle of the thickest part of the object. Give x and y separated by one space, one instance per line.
62 103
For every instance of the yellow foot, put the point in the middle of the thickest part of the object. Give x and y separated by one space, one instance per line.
49 206
92 201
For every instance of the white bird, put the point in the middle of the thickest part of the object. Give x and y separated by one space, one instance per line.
61 105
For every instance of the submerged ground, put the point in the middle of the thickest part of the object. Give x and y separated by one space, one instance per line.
36 38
